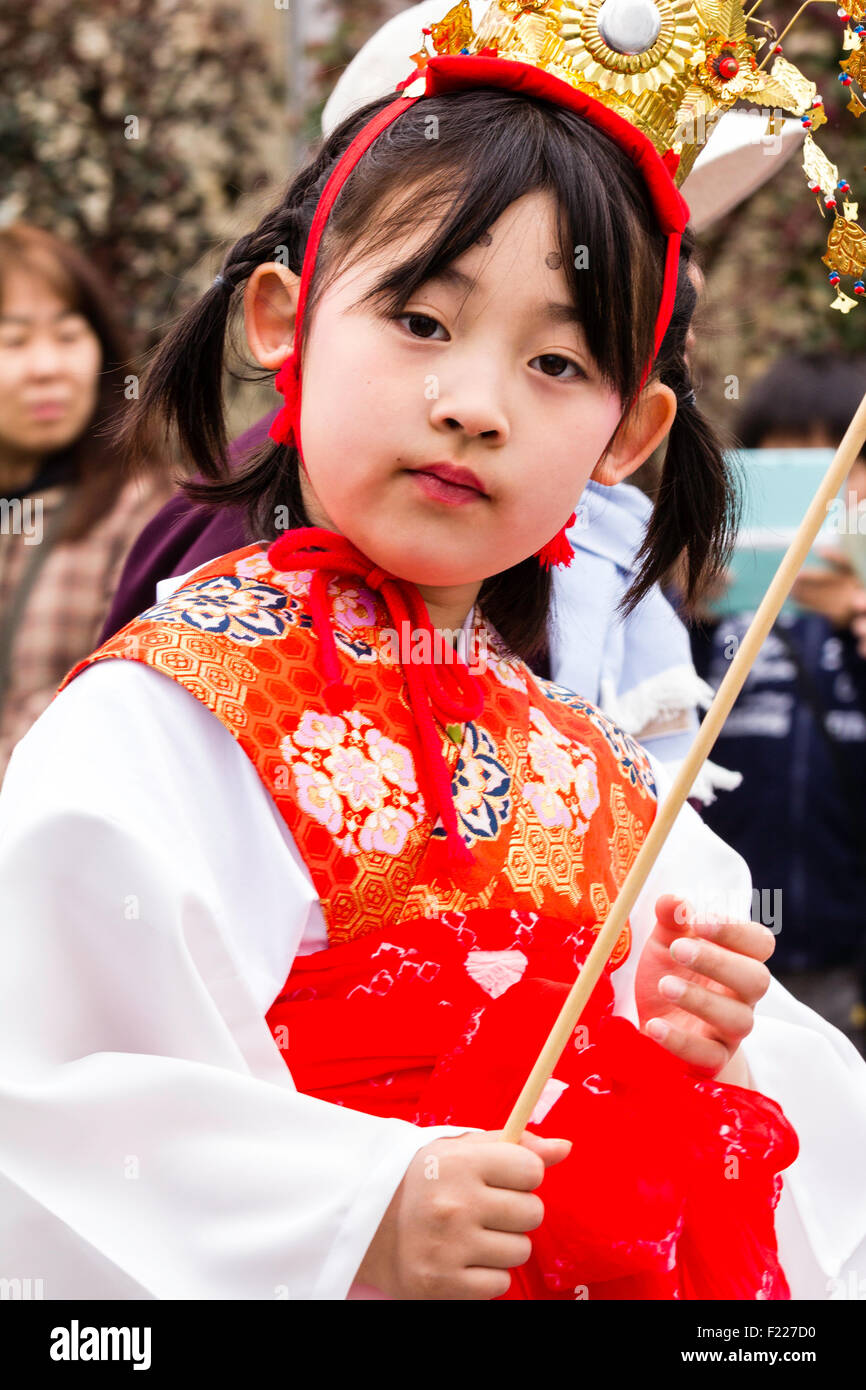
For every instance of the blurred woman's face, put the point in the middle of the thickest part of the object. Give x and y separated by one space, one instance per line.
50 359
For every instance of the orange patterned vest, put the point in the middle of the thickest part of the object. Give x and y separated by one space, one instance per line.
552 799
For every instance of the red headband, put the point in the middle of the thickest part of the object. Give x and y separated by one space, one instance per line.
457 73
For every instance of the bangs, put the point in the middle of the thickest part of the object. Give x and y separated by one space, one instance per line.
470 156
40 263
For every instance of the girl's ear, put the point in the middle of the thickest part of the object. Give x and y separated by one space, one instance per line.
646 425
270 305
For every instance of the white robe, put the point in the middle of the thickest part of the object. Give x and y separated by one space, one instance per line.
152 1144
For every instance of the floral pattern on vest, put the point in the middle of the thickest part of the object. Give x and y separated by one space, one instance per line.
552 800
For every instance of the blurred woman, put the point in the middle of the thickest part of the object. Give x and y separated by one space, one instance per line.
68 511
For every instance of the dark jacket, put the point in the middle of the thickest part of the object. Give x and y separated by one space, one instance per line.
179 538
797 733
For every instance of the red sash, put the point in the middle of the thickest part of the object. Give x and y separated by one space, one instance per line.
671 1185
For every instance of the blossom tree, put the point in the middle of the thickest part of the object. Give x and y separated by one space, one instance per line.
133 128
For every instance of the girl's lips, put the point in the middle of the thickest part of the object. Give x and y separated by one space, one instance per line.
452 494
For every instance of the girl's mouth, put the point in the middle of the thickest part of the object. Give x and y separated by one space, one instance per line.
448 483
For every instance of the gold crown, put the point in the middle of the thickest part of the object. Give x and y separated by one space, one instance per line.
672 68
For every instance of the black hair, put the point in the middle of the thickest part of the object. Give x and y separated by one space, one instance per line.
489 148
802 391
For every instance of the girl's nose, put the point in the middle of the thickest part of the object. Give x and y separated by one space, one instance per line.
476 411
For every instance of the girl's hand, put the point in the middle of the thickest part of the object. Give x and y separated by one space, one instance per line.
697 984
459 1220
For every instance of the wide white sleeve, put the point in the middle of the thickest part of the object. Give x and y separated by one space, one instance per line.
795 1057
152 1143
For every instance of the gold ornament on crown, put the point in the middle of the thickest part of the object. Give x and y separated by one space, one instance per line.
669 67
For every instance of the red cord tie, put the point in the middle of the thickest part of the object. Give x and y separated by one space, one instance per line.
376 578
449 689
288 382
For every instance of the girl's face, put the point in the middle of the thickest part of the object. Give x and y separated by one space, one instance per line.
453 441
49 370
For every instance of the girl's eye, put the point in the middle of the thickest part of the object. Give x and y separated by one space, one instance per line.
553 359
424 326
420 325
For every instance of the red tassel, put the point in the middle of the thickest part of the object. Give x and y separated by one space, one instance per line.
558 551
282 429
287 382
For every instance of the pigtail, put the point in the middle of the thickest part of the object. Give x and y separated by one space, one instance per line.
697 505
183 386
695 515
185 372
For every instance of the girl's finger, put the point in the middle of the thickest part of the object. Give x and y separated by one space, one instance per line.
495 1250
673 915
516 1212
748 978
707 1054
730 1017
746 938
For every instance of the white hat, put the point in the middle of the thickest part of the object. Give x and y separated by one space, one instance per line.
738 157
386 59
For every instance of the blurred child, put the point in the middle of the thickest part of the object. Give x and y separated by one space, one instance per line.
798 729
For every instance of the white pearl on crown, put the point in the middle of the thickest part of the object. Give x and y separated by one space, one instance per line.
629 26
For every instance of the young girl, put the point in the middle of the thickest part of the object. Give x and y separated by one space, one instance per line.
373 876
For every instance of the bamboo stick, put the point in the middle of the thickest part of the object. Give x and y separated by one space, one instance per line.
706 736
